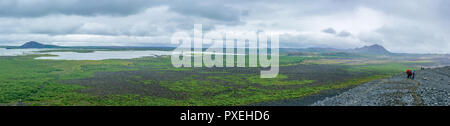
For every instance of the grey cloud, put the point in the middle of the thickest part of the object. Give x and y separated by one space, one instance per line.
404 22
412 39
329 31
30 9
190 12
211 9
157 21
344 34
333 32
38 8
308 40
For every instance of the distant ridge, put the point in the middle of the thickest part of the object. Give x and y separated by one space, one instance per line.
373 49
33 44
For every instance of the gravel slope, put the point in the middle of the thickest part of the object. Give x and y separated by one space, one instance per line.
430 88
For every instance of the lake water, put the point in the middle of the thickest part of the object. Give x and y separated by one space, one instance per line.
102 55
17 52
96 55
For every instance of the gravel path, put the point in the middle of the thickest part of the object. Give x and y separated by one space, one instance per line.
430 88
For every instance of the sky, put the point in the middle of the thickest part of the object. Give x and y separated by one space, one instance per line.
402 26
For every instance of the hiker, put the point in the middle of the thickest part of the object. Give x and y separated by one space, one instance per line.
413 74
408 73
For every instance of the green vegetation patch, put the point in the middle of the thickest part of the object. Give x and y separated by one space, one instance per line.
279 80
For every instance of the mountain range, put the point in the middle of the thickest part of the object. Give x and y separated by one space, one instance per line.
372 49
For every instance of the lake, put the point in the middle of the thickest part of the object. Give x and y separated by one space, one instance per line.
18 52
103 55
96 55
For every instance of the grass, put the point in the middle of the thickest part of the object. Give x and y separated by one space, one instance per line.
387 68
279 80
23 78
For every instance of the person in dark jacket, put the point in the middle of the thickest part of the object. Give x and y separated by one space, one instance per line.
408 73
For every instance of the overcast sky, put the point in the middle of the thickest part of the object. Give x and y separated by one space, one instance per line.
411 26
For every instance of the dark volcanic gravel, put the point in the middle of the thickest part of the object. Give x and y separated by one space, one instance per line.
430 88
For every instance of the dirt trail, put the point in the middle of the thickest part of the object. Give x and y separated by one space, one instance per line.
430 88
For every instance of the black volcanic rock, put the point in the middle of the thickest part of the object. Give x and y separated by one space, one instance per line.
33 44
374 49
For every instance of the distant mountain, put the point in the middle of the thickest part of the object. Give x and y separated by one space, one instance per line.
373 49
33 44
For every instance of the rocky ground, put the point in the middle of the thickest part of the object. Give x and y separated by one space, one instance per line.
431 87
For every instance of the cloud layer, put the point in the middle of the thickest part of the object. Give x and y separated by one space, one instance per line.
401 25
